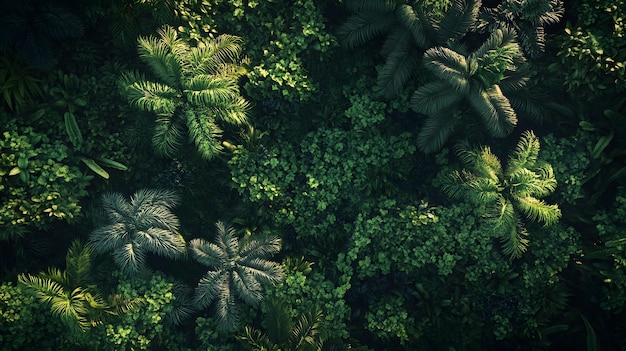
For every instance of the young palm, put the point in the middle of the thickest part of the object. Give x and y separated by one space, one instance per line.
507 195
528 18
145 224
283 334
411 27
72 294
479 79
238 271
195 90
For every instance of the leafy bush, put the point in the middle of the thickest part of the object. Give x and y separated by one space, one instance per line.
38 184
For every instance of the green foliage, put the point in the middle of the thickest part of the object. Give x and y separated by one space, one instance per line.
196 90
309 290
26 324
569 158
503 195
72 295
240 269
313 187
283 39
592 56
38 184
144 225
388 319
142 328
611 254
18 82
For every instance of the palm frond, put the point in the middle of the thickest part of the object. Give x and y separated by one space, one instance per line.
266 272
450 66
277 321
207 253
182 306
211 56
495 110
205 90
359 28
458 20
538 211
130 258
257 341
109 238
410 19
115 207
159 56
148 96
371 5
541 12
162 242
515 242
436 130
169 134
205 133
532 105
42 288
398 68
235 112
78 264
210 286
307 330
526 152
227 311
435 97
498 39
159 197
247 286
261 247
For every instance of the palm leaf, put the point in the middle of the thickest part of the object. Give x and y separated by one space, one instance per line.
267 272
109 238
515 242
398 67
436 131
307 330
257 341
212 56
226 311
246 284
148 96
207 253
537 210
130 258
500 38
495 110
371 5
359 28
435 97
409 18
162 242
458 20
205 90
210 286
161 54
205 133
78 264
169 134
261 247
526 152
450 66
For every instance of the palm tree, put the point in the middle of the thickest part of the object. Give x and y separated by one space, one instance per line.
195 90
528 18
411 27
72 294
145 224
239 270
481 79
282 333
505 196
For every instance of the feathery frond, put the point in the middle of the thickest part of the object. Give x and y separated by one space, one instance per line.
515 242
436 130
362 27
537 210
526 152
495 110
169 134
448 66
434 97
458 20
205 133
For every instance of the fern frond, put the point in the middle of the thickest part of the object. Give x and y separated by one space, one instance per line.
495 110
169 134
436 130
358 29
205 134
538 211
435 97
449 66
526 152
458 20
